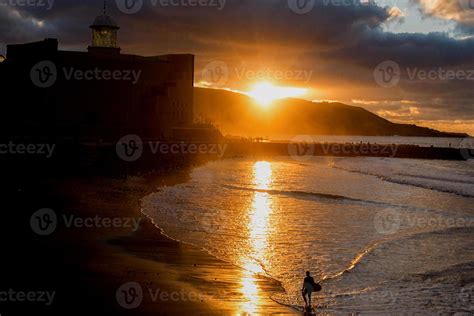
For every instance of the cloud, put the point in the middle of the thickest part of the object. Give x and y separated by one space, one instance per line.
396 15
339 44
461 11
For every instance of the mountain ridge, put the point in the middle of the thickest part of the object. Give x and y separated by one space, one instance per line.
239 115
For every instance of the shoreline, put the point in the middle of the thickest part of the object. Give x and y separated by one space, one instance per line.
225 294
276 286
89 265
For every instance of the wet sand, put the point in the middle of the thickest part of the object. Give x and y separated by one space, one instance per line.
86 266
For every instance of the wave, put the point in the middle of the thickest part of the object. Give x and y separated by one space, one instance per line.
400 240
454 274
444 179
326 196
456 269
305 194
365 264
357 259
413 183
360 256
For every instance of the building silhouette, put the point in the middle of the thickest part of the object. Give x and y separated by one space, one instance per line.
100 94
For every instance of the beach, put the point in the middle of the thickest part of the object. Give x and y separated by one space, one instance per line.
381 235
235 236
85 265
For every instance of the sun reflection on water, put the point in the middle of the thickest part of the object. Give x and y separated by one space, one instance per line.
258 224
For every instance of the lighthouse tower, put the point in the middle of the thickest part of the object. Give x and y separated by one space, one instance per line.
104 34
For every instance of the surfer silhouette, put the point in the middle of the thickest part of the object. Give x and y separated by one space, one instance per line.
309 286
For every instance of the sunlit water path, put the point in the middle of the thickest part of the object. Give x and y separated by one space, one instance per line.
384 235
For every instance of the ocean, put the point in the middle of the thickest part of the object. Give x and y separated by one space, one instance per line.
382 235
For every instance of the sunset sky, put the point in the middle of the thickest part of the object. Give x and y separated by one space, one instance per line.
331 48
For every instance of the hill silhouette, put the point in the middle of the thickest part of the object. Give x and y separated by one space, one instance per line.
239 115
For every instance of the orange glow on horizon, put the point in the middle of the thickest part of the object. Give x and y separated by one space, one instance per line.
265 93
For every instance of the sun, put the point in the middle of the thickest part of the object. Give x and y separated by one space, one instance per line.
265 93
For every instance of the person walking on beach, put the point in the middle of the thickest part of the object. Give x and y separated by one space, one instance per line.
309 286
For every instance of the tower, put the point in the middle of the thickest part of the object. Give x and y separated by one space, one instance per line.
104 34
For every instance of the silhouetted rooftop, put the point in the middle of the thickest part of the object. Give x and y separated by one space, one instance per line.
104 20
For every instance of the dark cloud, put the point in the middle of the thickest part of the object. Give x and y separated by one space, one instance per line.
340 45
